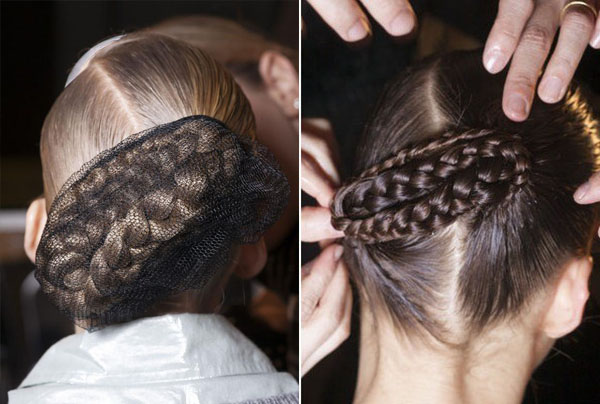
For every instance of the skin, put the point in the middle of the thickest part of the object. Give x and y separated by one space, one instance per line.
589 192
326 302
273 103
319 179
348 20
326 306
492 367
523 30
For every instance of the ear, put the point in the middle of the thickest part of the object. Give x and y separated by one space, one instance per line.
281 81
251 259
568 302
35 221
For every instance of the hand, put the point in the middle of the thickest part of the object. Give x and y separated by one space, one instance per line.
589 192
319 179
349 21
326 295
326 306
525 30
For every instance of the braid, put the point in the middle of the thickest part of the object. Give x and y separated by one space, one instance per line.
159 213
423 188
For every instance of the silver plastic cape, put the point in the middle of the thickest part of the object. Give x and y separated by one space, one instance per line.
174 358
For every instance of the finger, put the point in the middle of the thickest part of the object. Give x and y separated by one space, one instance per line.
326 242
331 301
321 152
528 60
341 333
324 349
315 182
321 128
315 225
506 31
315 282
328 314
330 310
590 191
575 32
395 16
345 17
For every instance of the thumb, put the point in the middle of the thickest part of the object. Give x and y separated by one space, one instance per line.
589 192
316 225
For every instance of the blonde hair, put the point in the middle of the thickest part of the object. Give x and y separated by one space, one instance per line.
136 83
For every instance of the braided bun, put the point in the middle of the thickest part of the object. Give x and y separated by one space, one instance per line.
158 214
423 188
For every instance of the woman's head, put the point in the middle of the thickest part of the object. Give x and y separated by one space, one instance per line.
139 82
459 218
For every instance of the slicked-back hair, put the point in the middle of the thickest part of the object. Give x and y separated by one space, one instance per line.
142 80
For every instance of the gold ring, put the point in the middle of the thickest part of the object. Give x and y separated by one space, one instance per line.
583 4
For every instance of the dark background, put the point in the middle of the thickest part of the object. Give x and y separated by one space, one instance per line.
40 42
341 82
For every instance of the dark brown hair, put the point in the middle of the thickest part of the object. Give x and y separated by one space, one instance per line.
470 214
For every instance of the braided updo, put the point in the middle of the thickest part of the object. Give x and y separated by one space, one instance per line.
424 188
470 213
153 180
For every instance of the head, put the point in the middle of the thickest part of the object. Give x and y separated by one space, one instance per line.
469 223
138 82
267 72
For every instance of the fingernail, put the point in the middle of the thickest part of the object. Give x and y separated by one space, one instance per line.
493 61
552 89
338 252
402 24
517 107
582 191
357 31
